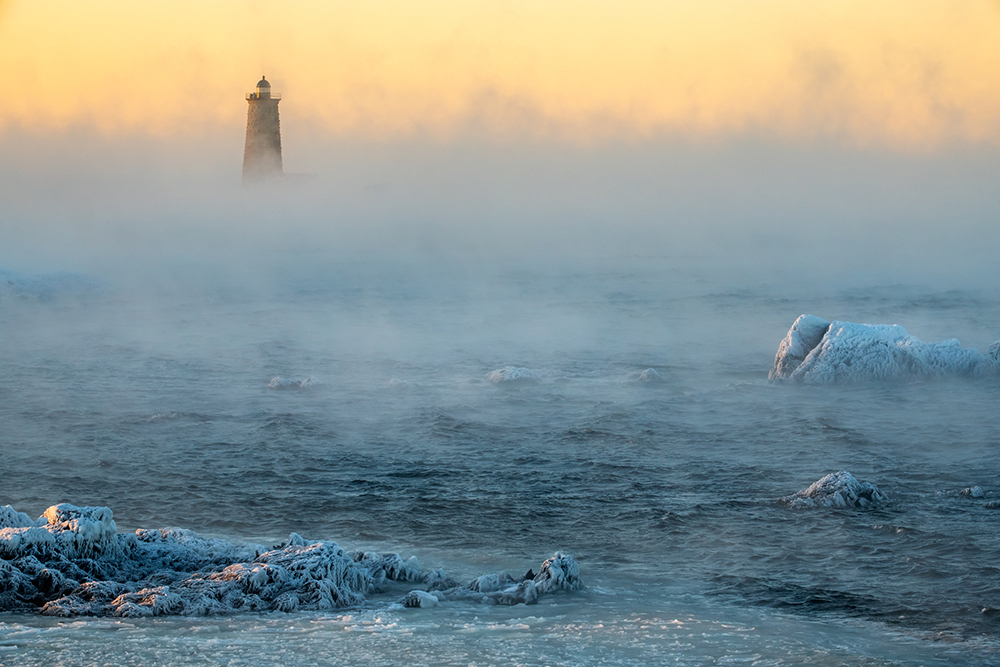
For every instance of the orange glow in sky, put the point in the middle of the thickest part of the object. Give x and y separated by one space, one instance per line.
907 74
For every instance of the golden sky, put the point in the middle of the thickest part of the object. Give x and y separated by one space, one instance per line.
902 74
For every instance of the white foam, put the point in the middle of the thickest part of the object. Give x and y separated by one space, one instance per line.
815 351
72 561
838 489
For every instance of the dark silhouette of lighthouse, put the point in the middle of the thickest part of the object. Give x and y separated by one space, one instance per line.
262 153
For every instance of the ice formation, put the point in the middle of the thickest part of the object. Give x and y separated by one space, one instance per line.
815 351
650 375
515 374
292 383
838 489
72 561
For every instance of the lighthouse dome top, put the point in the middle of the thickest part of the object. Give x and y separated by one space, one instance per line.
263 91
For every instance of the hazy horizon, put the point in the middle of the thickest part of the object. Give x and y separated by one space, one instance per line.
855 140
518 294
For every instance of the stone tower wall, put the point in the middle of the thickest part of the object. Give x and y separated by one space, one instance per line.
262 153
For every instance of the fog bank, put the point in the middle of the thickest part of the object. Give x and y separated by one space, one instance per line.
752 210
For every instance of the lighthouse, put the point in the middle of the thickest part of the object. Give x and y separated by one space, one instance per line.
262 152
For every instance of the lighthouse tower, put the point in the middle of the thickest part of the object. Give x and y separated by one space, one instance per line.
262 153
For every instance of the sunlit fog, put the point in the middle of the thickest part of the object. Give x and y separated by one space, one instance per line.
532 334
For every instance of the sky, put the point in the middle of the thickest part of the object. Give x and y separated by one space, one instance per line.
908 74
776 118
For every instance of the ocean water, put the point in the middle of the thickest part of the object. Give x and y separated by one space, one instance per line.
161 403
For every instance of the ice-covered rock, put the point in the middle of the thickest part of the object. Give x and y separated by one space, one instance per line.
815 351
418 598
74 531
292 383
72 561
11 518
16 540
650 375
83 531
838 489
559 573
801 339
513 374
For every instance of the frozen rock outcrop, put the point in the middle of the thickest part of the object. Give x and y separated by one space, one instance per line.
72 561
558 573
513 374
838 489
292 383
650 375
806 333
815 351
11 518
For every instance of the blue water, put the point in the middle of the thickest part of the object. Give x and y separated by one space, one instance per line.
156 403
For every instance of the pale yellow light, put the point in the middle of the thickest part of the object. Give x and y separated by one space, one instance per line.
910 74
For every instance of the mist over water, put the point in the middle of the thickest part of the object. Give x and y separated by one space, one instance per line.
145 312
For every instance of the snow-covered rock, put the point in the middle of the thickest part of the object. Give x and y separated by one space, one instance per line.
418 598
512 374
838 489
292 383
806 333
72 561
559 573
11 518
815 351
650 375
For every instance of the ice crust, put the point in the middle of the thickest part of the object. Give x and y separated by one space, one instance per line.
815 351
838 489
72 561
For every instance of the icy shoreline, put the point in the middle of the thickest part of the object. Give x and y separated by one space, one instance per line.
72 561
